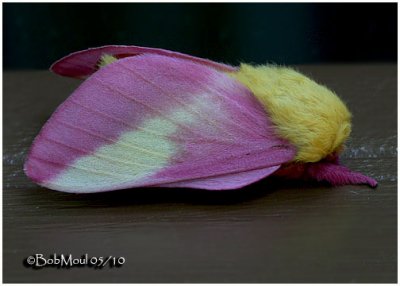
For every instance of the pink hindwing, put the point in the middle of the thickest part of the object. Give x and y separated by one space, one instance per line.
83 63
154 120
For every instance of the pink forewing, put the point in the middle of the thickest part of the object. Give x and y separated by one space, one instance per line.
228 142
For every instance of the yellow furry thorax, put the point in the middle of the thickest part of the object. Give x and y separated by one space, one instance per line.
307 114
105 60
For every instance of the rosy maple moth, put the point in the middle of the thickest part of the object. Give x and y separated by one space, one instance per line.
151 117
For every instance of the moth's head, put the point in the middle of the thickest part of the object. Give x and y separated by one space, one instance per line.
309 115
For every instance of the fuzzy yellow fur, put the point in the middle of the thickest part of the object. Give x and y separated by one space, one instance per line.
309 115
106 59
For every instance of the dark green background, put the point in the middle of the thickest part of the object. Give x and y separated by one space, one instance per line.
35 35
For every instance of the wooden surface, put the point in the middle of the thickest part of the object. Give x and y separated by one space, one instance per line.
272 231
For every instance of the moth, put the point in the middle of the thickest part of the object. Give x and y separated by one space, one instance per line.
147 117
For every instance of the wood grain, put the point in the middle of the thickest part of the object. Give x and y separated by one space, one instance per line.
272 231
